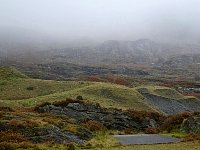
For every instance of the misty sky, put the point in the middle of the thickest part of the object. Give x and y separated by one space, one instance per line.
106 19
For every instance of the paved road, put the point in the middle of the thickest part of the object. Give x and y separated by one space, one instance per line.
145 139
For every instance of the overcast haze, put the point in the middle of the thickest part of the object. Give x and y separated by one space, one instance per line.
165 20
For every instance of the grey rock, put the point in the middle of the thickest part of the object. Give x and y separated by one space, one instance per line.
171 106
80 112
191 125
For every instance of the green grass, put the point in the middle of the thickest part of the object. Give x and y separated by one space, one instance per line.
165 92
108 95
173 146
10 74
30 88
17 90
102 140
16 94
112 95
176 134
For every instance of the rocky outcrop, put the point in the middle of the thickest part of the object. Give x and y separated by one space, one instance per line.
39 128
191 125
111 118
82 112
171 106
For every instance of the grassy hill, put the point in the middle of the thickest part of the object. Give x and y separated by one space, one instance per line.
163 91
26 92
108 95
30 88
10 73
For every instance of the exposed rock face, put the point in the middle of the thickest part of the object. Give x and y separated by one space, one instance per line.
111 119
171 106
191 125
82 112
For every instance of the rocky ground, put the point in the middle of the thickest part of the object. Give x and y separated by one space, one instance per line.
191 125
171 106
78 121
113 119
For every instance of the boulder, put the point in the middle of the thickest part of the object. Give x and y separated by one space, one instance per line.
191 125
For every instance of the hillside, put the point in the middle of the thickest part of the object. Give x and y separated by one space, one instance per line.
132 58
16 86
10 73
106 94
35 112
25 92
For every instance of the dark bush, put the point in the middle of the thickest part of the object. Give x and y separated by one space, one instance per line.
8 146
79 98
129 131
7 109
9 136
140 116
70 146
151 131
30 88
36 108
192 137
94 125
14 146
174 121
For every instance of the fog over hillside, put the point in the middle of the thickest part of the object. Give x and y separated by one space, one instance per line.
172 21
100 32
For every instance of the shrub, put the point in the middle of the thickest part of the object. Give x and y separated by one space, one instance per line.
79 98
1 115
7 109
30 123
9 136
30 88
22 123
196 113
129 131
151 130
192 137
16 123
8 146
94 125
70 146
36 108
121 81
14 146
140 116
95 79
174 121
